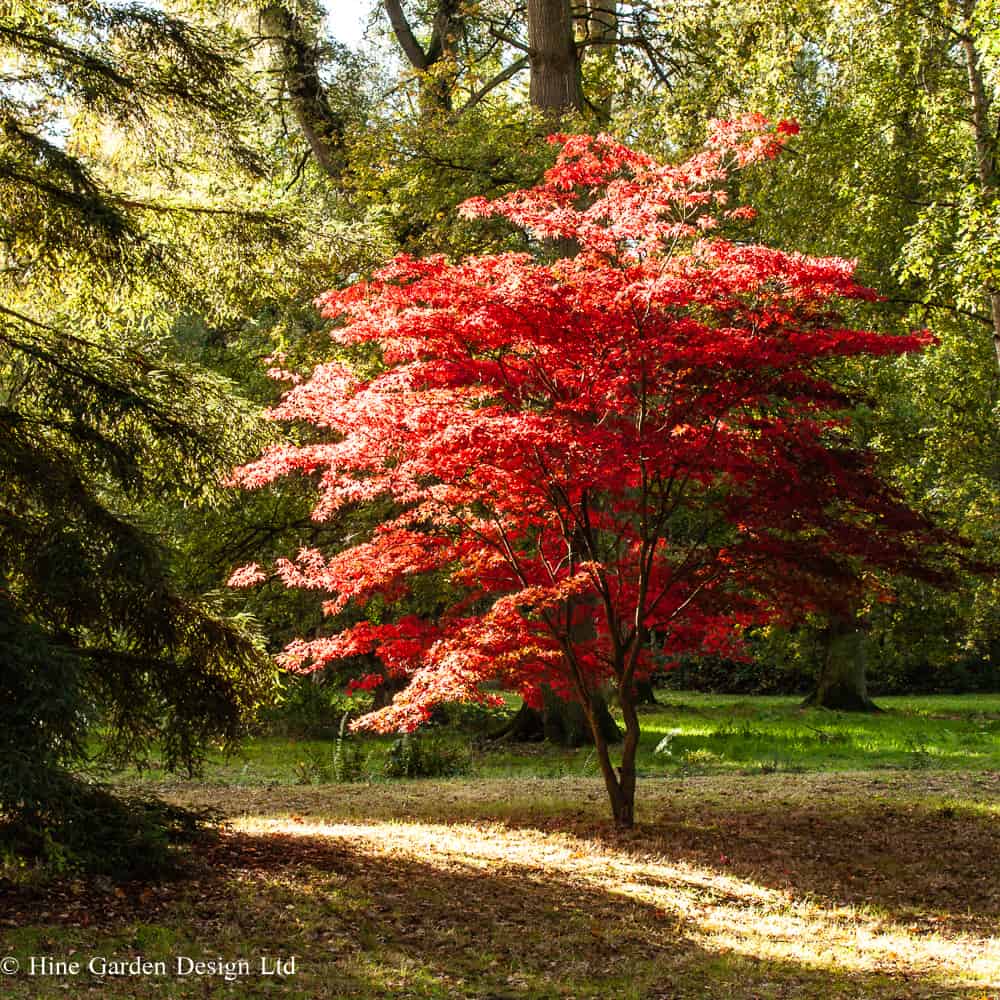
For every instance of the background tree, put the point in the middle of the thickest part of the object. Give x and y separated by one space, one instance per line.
889 161
105 432
879 153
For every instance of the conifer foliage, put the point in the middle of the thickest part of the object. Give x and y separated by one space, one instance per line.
641 440
98 422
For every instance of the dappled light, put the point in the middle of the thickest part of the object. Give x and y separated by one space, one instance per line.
716 910
501 504
748 886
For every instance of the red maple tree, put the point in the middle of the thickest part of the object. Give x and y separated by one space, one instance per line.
637 440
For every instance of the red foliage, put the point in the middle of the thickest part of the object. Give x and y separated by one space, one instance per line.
637 439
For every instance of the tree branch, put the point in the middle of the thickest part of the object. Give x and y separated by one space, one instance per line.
512 70
404 35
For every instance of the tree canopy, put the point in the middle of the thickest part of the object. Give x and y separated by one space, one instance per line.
182 179
640 439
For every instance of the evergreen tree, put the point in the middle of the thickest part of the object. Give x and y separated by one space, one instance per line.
96 416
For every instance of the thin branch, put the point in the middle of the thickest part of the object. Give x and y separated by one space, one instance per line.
933 304
510 40
512 70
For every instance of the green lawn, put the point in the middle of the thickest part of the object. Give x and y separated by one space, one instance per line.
698 734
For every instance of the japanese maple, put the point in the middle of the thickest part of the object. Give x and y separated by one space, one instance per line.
638 440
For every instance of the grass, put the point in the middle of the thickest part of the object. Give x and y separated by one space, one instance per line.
699 734
853 870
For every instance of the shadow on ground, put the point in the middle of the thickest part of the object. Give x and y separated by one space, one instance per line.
367 919
904 845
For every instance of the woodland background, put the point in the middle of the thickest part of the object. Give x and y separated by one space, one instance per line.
181 180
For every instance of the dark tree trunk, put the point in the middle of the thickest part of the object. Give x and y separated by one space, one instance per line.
382 695
568 724
295 62
842 684
620 784
561 722
526 726
555 85
645 693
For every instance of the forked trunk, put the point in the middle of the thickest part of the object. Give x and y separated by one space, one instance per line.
293 55
597 26
620 784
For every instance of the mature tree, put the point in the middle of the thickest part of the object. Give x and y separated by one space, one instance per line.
637 440
292 34
556 84
97 416
436 63
579 56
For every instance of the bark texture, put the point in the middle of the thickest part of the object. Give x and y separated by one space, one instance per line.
843 683
555 85
435 64
295 61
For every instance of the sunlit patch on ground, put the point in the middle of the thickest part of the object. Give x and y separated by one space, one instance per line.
719 912
864 886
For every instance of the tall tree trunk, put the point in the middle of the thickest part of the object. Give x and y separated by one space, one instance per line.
568 723
985 139
295 62
842 684
382 695
555 85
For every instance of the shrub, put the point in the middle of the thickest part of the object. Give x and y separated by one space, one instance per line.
307 709
84 827
424 755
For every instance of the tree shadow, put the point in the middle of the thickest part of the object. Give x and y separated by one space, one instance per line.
930 867
503 931
375 921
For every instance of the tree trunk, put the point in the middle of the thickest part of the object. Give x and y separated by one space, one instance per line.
555 86
294 59
564 723
525 726
382 695
842 683
645 694
568 724
437 78
620 784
